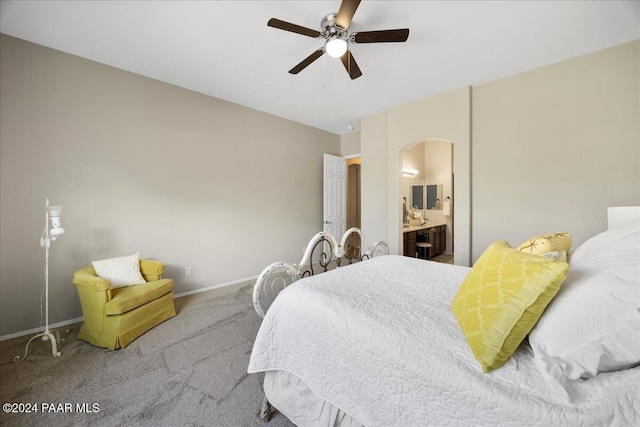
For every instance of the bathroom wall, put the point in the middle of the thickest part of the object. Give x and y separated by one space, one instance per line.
413 158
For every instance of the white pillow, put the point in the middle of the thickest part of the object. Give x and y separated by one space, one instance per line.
121 271
593 323
556 256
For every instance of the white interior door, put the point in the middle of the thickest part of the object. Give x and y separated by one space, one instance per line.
335 213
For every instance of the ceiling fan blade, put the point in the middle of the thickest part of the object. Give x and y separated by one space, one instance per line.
346 12
383 36
307 61
351 65
287 26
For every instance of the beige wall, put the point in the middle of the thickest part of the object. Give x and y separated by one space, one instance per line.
374 190
140 165
413 158
350 144
385 135
553 147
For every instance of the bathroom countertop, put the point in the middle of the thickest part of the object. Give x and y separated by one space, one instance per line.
426 225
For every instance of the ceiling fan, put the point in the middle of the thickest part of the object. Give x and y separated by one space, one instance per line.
335 32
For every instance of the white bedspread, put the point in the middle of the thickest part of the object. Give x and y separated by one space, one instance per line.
378 340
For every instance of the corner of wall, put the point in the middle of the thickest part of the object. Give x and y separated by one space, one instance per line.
350 144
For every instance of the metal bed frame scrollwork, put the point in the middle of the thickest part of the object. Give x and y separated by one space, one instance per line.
279 275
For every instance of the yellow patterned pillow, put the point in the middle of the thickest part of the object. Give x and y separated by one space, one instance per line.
547 243
502 298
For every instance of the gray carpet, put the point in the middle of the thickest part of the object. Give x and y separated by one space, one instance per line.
443 258
189 370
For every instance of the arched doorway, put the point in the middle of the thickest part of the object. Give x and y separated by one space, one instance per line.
460 195
427 192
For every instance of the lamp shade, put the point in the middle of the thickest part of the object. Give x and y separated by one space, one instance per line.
54 210
335 47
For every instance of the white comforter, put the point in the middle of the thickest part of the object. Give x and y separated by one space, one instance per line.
378 340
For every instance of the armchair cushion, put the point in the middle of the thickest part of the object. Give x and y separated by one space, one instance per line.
130 297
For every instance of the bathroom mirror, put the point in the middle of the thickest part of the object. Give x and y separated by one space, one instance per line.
417 197
434 196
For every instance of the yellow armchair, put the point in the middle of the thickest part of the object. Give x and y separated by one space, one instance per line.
113 318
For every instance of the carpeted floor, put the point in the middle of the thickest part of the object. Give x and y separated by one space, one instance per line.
189 370
443 258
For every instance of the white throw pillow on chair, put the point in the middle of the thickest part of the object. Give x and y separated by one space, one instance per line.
120 271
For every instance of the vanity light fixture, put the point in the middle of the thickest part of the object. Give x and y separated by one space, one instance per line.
409 172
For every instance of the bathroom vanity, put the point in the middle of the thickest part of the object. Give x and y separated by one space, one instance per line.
433 232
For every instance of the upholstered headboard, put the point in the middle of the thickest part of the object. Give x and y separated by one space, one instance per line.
618 216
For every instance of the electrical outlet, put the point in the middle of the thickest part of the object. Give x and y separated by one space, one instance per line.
187 271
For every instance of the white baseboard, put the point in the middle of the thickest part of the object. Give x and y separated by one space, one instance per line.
80 319
219 285
40 329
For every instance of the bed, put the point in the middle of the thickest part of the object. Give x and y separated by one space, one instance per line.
375 342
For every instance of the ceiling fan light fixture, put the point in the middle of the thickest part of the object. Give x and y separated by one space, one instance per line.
335 47
334 31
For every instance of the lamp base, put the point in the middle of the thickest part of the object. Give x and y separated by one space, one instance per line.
47 335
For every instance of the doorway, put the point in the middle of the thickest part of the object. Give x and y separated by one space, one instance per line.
427 197
353 192
353 200
342 199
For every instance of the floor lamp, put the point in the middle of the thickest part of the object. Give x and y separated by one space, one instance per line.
52 213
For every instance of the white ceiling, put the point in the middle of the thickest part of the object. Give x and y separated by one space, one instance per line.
225 49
